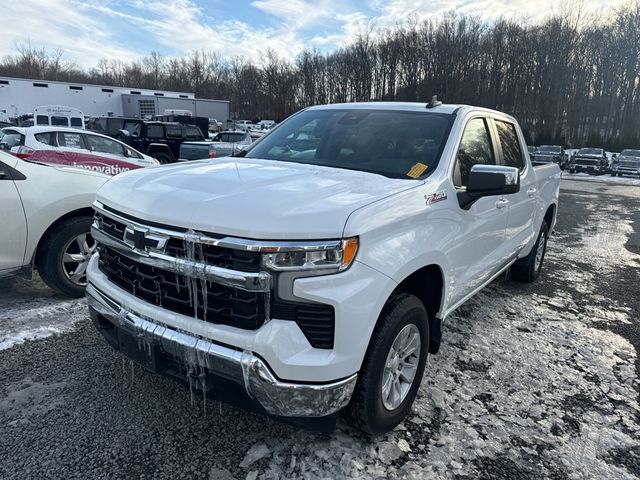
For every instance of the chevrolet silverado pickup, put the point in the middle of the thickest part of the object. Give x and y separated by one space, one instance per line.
307 278
589 160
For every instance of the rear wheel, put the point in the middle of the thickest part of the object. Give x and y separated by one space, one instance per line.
393 367
528 268
64 255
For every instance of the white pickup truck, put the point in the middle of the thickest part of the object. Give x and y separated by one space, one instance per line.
312 272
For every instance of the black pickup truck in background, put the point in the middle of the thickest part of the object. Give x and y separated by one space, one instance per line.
593 161
160 140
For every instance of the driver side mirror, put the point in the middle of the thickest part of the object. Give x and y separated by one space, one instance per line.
489 180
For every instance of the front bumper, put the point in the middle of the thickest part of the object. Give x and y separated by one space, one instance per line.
157 347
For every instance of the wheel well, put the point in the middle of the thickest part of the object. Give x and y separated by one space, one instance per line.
81 212
548 217
427 284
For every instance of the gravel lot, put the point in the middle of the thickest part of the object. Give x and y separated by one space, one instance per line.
532 381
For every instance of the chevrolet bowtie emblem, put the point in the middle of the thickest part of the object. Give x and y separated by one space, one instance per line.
140 239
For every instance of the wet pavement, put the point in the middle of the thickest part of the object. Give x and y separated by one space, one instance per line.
532 381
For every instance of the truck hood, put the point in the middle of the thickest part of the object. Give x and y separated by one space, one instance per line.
249 198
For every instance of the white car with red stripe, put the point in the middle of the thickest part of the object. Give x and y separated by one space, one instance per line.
74 147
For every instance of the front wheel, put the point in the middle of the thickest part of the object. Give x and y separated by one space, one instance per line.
528 268
393 366
64 255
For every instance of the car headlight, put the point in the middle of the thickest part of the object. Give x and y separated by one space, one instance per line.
321 256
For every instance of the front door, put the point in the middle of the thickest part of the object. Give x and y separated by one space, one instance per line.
13 234
478 251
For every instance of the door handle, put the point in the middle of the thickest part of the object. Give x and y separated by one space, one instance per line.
502 203
532 191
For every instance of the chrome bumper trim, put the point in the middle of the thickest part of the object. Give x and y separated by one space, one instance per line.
277 397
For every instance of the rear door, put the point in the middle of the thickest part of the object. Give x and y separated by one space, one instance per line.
521 205
108 155
13 234
478 251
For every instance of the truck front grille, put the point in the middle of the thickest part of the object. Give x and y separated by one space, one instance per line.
177 293
230 258
205 299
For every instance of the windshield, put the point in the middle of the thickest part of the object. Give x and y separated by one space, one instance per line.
397 144
549 149
590 151
630 153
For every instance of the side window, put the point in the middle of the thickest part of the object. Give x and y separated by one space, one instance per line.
42 120
104 145
70 140
48 138
475 149
511 151
155 131
174 131
76 122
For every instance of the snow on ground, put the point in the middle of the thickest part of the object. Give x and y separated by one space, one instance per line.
631 181
33 311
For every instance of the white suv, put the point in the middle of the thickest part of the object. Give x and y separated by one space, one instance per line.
74 147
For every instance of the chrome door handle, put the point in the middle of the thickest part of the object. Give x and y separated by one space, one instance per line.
532 191
502 203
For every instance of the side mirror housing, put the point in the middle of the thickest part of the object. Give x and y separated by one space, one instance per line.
489 180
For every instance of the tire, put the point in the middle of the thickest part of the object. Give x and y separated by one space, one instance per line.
528 268
68 278
163 158
403 313
572 171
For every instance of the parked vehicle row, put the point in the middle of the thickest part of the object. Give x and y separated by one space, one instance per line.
593 161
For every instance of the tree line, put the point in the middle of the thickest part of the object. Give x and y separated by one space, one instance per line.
570 78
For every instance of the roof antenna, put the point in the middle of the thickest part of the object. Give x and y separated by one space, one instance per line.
434 102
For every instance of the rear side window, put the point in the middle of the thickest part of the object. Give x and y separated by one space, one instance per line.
104 145
70 140
155 131
48 138
511 152
475 149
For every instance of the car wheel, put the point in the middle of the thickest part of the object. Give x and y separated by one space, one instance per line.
64 255
163 158
393 366
528 268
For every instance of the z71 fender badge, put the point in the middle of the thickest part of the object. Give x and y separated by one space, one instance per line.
436 197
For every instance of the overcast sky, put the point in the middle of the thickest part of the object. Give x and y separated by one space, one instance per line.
128 29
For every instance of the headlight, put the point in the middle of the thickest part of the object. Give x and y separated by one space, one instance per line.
307 256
